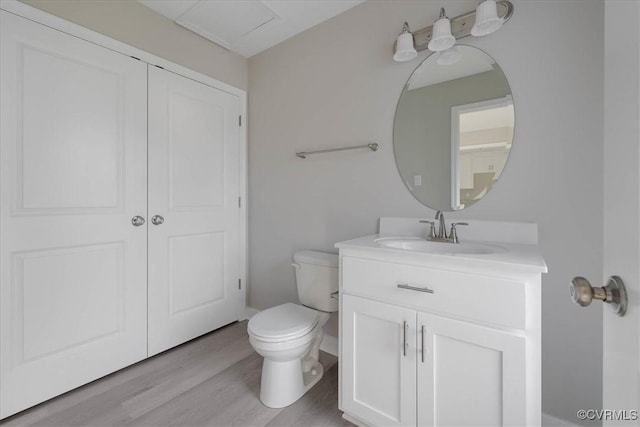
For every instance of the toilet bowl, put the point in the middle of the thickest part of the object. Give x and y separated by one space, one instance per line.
288 336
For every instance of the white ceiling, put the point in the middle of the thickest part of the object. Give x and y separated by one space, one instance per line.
248 27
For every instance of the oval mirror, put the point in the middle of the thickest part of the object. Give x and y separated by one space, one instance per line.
453 128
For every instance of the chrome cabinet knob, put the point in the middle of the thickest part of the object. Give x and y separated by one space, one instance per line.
137 221
157 219
614 293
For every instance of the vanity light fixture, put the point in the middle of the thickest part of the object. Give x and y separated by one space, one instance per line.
488 17
405 50
442 38
487 20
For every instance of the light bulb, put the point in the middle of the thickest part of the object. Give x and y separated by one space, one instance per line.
487 20
441 39
405 50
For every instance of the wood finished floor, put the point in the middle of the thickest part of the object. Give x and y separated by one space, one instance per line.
213 380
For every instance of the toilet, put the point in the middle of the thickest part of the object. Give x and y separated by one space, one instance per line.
288 336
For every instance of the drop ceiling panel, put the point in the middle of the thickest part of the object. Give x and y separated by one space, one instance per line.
248 27
226 21
296 17
172 9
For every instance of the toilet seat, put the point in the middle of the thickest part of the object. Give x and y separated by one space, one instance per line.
285 322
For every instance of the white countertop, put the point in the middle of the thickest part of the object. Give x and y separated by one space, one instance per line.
523 257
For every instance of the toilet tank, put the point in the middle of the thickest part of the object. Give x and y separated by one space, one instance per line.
317 279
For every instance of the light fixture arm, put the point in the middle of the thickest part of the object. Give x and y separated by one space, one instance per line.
460 25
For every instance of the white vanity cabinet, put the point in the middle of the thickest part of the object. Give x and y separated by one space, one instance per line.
438 340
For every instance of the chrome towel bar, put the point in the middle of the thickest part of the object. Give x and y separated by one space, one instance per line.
372 146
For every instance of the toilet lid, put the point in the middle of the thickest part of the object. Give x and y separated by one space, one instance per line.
284 322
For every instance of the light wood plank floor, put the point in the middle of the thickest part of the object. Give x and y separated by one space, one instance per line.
213 380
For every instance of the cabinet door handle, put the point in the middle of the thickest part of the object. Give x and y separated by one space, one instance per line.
405 327
415 288
422 345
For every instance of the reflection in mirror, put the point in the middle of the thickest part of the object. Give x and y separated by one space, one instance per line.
453 129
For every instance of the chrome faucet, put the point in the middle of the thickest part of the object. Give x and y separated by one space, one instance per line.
441 235
442 229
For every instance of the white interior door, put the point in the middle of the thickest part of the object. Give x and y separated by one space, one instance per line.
621 357
194 255
73 174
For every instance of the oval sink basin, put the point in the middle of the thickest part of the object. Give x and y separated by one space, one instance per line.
420 245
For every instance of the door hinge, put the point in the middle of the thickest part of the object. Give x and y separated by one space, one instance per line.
239 120
239 283
239 202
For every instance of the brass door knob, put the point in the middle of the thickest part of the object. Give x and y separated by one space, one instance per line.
614 293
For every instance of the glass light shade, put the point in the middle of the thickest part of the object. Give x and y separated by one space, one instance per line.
487 20
405 50
442 39
449 56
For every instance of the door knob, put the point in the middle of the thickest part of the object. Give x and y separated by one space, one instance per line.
614 293
137 221
157 219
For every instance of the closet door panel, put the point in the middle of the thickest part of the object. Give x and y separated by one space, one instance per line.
72 175
194 185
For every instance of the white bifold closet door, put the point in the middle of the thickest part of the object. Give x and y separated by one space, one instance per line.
73 173
194 186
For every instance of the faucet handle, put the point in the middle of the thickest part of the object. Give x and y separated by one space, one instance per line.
432 229
453 235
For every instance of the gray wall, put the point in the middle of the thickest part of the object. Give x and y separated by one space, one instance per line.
130 22
336 84
422 131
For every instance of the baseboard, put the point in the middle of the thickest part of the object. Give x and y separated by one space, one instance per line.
354 420
551 421
329 345
249 312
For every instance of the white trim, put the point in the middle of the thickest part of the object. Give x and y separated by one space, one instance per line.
243 190
483 147
551 421
329 345
456 110
455 147
354 420
75 30
249 312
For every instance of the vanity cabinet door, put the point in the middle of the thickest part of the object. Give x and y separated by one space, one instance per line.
379 362
469 375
